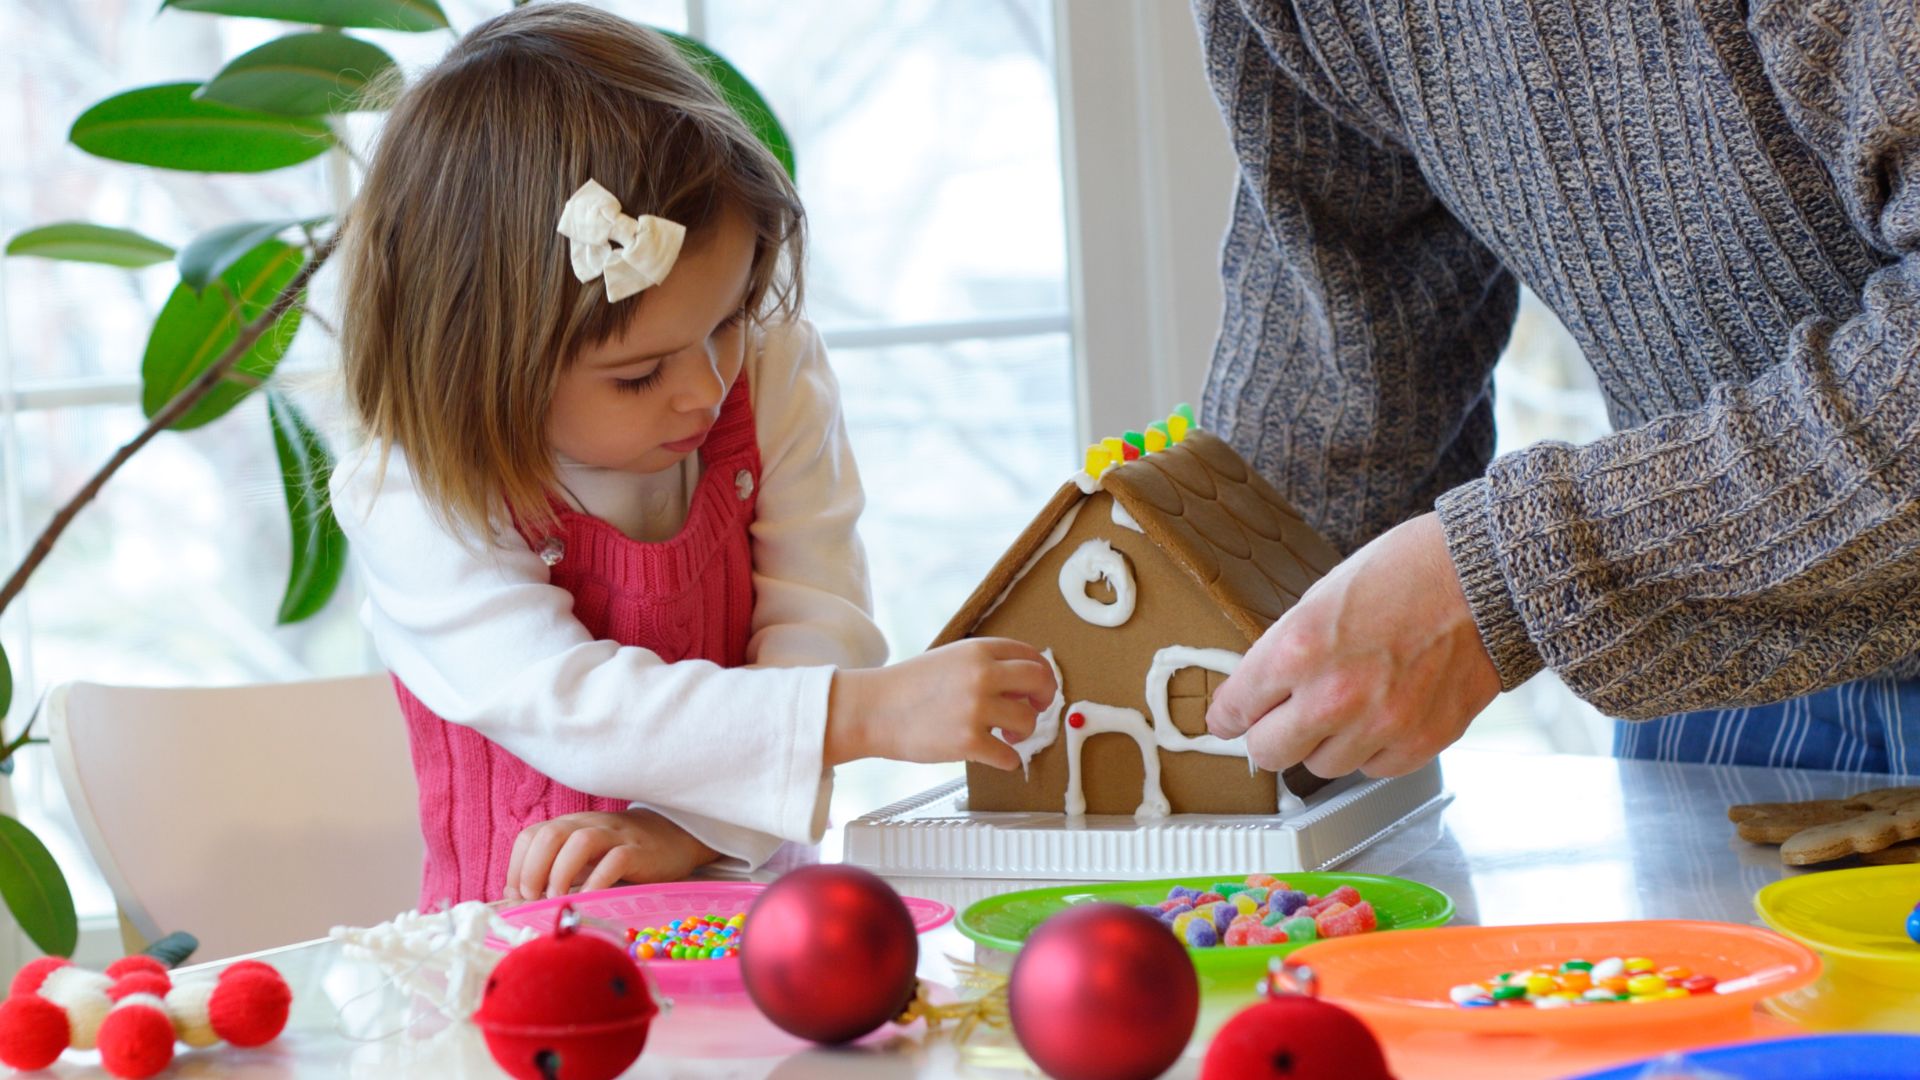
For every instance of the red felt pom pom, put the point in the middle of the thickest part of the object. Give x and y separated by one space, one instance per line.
1103 992
567 1006
33 1031
1293 1037
832 953
127 965
249 965
29 978
140 982
136 1039
249 1006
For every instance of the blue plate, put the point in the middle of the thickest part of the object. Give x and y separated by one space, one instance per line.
1857 1057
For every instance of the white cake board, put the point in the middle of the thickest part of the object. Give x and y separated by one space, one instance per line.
933 834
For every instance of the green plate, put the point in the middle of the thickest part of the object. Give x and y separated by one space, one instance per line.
1005 921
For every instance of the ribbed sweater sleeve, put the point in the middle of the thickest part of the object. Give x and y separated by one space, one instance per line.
1767 543
1362 320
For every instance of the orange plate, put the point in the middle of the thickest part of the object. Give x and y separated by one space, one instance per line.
1399 982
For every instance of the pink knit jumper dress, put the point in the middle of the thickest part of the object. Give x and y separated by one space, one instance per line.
688 597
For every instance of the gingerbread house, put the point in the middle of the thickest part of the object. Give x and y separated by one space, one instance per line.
1143 581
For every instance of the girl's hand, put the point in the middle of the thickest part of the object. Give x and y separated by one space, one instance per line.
942 705
597 850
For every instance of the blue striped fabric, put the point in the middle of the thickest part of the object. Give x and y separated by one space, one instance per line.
1872 725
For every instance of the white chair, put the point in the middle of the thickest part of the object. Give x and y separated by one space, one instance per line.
249 816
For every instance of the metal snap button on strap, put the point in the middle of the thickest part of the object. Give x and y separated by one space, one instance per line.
743 484
553 550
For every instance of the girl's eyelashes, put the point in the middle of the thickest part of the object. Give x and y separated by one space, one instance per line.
732 321
641 384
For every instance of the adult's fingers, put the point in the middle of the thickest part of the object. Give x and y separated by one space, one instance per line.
580 850
1283 737
1263 682
1394 761
1341 753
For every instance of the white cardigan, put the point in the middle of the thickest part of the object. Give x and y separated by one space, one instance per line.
480 635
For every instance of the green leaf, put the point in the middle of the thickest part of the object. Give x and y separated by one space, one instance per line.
412 15
195 328
319 547
300 75
35 890
740 94
213 252
165 127
78 241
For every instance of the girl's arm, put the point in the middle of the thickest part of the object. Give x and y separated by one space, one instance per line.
479 634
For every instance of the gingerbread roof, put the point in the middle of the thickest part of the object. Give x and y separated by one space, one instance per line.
1214 517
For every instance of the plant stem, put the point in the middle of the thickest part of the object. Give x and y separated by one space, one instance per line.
200 387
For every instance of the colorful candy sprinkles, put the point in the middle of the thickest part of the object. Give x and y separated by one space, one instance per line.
1632 980
696 937
1262 910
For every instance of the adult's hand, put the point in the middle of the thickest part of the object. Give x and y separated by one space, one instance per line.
1378 668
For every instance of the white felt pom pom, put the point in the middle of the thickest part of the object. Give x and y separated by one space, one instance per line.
187 1006
84 995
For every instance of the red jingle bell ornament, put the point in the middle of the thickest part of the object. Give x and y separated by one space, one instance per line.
1294 1035
566 1006
832 953
1103 992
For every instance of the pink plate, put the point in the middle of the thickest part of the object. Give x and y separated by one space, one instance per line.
654 905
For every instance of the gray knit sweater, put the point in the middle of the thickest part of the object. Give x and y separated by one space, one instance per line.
1722 203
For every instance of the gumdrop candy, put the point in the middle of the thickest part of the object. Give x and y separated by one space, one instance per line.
1288 900
1186 919
1207 898
1301 928
1273 917
1237 933
1260 893
1267 935
1268 880
1244 904
1316 905
1202 935
1223 917
1346 894
1226 889
1347 921
1150 909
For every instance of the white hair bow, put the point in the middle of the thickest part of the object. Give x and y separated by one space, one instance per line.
648 244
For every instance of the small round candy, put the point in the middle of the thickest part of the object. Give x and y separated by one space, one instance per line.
1913 924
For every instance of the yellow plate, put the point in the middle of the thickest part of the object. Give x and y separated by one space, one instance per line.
1856 919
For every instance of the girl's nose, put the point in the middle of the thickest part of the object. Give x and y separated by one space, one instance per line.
701 390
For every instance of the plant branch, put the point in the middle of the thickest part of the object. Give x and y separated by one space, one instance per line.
200 387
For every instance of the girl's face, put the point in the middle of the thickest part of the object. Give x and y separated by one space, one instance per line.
644 399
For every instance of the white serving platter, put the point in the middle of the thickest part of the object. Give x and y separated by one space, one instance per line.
933 834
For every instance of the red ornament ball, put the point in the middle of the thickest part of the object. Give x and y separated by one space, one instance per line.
136 1040
566 1006
127 965
33 1031
1103 992
33 974
249 1004
1294 1037
831 953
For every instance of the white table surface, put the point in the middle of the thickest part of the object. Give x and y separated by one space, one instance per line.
1527 839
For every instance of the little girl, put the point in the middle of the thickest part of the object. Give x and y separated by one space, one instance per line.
605 515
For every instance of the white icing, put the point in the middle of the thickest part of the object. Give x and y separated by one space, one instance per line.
1046 726
1052 541
1086 481
1104 719
1160 673
1093 560
1124 519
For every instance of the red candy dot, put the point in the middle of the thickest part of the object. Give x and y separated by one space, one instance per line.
1076 720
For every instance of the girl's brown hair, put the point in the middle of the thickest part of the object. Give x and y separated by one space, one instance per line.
460 308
